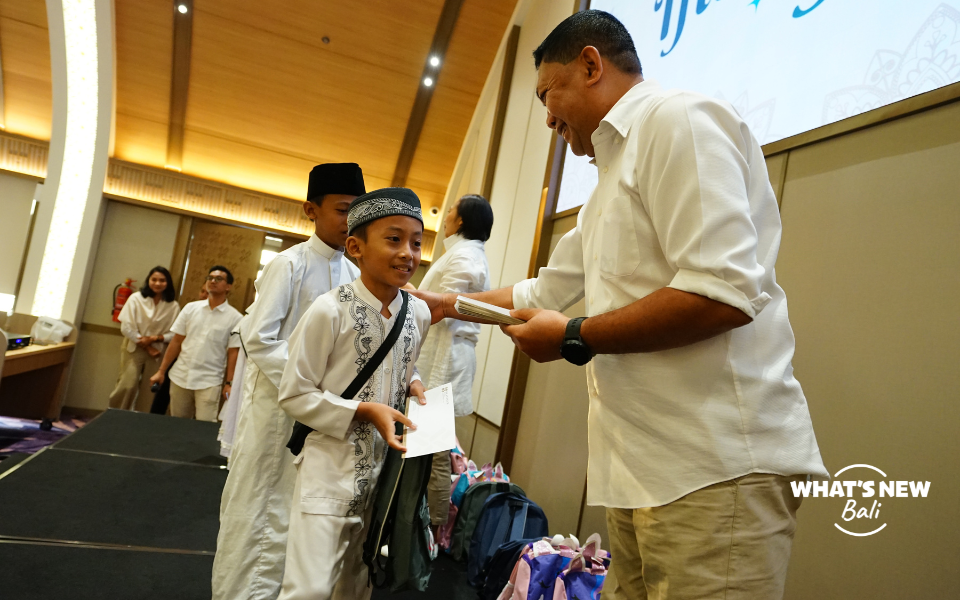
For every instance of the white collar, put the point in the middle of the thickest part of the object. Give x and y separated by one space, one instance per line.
368 297
322 248
455 239
221 307
622 115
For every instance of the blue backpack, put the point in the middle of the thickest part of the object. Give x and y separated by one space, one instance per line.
506 517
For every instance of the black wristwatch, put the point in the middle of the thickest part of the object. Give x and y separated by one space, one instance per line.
574 349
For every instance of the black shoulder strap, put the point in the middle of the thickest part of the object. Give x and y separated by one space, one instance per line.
301 431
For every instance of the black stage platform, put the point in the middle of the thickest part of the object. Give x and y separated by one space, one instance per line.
125 507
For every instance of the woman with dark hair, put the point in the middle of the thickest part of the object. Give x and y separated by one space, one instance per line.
145 323
449 352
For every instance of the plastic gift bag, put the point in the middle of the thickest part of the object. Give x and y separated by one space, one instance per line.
48 330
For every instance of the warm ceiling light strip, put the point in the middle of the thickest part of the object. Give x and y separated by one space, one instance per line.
80 37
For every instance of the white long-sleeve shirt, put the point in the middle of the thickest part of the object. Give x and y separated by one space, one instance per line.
140 317
449 353
683 201
287 287
337 335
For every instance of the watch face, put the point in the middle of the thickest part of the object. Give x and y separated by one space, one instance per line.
575 352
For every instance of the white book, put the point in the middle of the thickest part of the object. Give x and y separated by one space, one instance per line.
436 431
482 310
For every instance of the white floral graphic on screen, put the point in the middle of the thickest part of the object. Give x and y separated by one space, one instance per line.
758 118
930 61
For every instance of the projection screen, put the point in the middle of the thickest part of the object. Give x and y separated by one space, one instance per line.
786 66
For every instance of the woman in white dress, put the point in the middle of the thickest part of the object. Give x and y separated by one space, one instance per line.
145 323
449 352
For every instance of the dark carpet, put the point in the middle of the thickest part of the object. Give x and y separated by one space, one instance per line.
11 460
43 572
447 582
95 498
143 435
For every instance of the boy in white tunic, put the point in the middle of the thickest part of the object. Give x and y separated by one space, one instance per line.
255 506
340 462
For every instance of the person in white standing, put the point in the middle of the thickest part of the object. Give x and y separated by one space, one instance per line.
199 345
449 354
255 507
696 426
145 322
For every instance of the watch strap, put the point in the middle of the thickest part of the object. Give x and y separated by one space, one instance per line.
572 332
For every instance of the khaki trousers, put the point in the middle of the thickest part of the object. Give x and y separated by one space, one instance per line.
438 489
203 404
727 541
132 391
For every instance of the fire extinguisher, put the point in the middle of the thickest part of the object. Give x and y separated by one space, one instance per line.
120 295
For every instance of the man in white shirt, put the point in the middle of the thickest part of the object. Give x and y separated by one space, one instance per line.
696 425
201 336
255 507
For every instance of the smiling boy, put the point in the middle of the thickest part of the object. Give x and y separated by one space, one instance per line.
341 459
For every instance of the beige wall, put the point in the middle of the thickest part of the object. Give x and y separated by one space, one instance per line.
870 261
133 241
16 198
515 198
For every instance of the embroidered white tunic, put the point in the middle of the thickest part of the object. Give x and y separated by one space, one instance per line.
449 354
336 337
683 201
140 317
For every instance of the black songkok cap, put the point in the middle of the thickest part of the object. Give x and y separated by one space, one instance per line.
335 178
383 203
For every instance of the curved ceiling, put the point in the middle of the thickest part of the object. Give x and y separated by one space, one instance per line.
267 98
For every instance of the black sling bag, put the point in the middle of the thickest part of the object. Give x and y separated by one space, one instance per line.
301 431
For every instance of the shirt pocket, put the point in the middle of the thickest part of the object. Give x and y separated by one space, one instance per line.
327 468
618 249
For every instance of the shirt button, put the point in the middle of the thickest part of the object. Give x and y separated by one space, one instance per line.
605 169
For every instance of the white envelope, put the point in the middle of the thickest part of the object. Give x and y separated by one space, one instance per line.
434 420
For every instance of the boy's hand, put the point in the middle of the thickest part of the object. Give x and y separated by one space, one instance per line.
384 418
416 389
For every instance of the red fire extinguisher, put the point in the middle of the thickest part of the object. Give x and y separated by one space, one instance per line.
120 295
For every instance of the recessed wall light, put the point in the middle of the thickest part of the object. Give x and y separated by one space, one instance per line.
434 61
182 9
325 40
434 211
428 81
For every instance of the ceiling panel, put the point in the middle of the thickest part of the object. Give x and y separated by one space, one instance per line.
144 50
25 56
472 49
388 34
268 99
252 167
261 88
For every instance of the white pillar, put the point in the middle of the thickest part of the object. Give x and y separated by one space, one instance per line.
64 240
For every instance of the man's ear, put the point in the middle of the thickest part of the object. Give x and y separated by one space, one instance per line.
591 64
352 247
310 209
